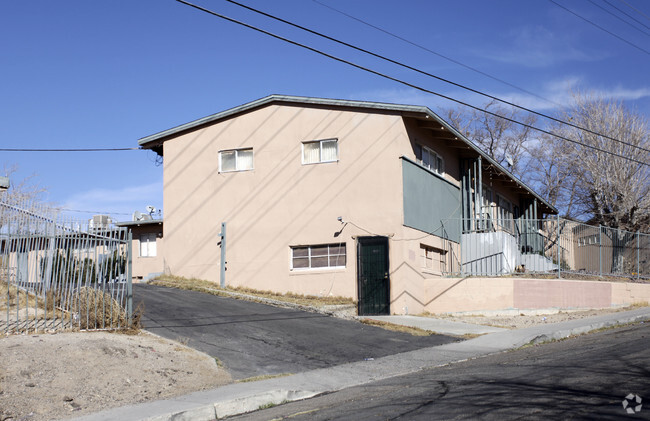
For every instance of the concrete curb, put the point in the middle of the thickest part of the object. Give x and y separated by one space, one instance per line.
240 398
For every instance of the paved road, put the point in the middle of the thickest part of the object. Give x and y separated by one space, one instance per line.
253 339
584 378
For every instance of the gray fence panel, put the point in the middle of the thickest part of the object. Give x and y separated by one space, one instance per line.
553 246
57 274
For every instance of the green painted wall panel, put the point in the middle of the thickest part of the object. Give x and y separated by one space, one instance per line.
430 201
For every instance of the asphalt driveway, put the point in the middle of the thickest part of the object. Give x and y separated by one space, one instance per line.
253 339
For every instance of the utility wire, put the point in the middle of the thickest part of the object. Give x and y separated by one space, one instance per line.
69 150
436 53
557 120
617 16
629 16
410 85
635 9
600 27
88 211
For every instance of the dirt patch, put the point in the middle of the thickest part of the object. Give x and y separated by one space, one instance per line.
54 376
522 320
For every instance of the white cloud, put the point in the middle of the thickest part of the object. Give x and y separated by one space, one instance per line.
553 95
536 46
558 92
119 202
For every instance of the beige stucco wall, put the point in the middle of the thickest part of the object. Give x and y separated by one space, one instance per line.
144 266
282 203
449 295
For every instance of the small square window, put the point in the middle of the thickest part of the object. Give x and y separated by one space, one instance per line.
148 245
317 151
433 259
236 160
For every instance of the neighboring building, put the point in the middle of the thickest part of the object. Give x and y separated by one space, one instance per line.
146 248
332 197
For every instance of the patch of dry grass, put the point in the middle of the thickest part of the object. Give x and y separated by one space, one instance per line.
572 276
201 285
98 309
9 296
94 309
397 328
263 377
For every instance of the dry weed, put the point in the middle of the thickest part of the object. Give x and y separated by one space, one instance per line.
97 309
201 285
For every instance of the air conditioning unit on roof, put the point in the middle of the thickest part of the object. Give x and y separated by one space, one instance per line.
100 221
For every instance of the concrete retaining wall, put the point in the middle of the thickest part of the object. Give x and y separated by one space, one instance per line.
446 295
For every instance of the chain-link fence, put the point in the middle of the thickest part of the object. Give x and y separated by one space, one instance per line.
553 246
57 273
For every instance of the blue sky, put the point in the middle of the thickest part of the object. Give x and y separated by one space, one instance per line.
102 74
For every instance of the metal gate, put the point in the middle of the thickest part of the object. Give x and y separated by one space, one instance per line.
57 274
372 276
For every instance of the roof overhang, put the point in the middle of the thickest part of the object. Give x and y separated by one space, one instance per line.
139 223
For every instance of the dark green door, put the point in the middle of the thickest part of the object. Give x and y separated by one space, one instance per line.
372 276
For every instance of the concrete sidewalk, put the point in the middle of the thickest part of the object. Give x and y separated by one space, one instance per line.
441 326
245 397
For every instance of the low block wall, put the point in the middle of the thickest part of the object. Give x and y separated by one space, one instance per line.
450 295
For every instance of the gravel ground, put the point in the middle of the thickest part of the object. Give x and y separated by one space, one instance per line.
55 376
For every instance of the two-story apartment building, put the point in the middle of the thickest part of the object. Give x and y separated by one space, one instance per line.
330 197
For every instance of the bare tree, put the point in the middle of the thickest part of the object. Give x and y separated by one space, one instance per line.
503 140
609 190
24 195
588 182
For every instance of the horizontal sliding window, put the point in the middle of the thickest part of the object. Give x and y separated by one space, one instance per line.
236 160
317 151
318 256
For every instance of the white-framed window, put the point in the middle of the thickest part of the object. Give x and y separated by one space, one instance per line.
148 245
318 151
431 160
236 160
318 256
589 240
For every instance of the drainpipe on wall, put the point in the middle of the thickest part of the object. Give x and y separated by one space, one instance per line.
222 274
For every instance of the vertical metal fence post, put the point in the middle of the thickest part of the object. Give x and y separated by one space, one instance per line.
129 279
559 266
600 250
638 256
460 243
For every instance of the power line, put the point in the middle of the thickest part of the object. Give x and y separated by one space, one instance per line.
618 17
557 120
600 27
88 211
635 9
436 53
69 150
402 81
629 16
